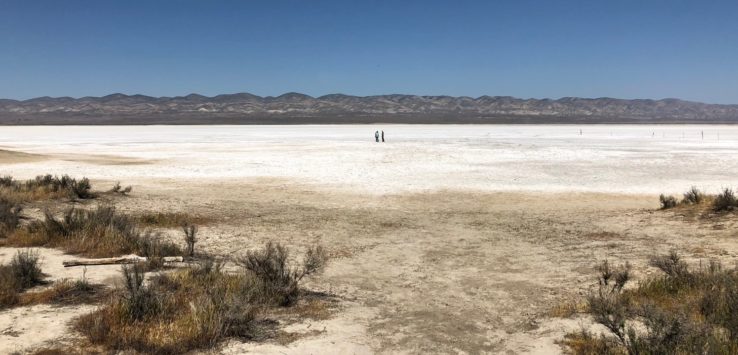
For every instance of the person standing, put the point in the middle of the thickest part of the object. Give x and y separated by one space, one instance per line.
382 136
376 136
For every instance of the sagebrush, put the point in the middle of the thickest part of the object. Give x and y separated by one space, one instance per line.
21 273
681 311
191 308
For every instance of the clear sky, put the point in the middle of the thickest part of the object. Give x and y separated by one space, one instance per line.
522 48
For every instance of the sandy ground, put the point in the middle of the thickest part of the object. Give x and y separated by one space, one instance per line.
429 270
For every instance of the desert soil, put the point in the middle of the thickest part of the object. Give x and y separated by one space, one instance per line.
435 271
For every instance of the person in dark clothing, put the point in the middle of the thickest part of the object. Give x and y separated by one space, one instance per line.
382 136
376 136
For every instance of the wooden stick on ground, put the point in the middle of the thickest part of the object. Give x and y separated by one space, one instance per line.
129 259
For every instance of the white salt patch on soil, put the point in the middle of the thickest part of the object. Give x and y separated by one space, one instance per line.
605 158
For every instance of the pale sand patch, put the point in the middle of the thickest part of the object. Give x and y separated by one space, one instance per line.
101 159
343 334
25 328
51 264
13 157
16 157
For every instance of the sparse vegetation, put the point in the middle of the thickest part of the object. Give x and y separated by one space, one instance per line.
177 312
9 216
101 232
118 189
191 308
65 292
667 201
25 268
21 273
706 204
170 219
281 280
693 196
725 201
682 311
44 187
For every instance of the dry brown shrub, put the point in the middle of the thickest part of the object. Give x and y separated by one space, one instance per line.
101 232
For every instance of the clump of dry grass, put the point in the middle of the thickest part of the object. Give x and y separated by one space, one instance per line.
696 201
191 308
21 273
584 342
723 202
170 219
682 311
567 309
44 187
100 232
65 292
118 189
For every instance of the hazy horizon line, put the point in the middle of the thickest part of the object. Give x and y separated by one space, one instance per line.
365 96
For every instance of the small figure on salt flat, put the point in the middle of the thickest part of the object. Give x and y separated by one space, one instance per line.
376 136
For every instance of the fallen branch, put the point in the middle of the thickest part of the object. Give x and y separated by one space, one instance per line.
128 259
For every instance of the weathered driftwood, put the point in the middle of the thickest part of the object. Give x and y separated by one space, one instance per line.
129 259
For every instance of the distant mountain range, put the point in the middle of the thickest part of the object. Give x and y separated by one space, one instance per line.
295 108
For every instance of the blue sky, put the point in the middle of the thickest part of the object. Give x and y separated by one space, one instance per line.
623 48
